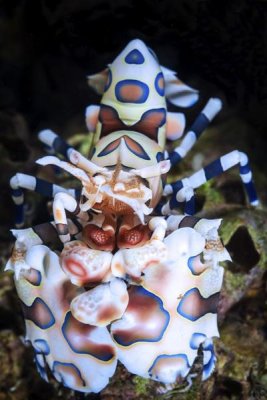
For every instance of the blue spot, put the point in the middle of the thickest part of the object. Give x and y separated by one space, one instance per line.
196 340
41 370
209 366
123 338
170 356
67 371
41 346
159 156
134 57
159 84
194 306
39 313
190 264
131 91
109 80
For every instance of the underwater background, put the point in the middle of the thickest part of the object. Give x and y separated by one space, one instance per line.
47 48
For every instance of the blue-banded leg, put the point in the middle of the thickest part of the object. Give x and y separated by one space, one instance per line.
178 189
55 144
23 181
210 110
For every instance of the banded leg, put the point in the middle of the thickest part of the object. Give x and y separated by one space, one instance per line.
54 143
210 110
182 197
64 202
177 189
23 181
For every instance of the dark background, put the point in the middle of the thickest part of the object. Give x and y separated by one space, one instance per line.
47 48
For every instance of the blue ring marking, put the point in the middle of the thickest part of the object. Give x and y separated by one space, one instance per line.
60 146
184 356
251 191
42 347
144 88
43 187
109 81
143 291
189 208
175 157
213 169
19 214
78 193
200 124
17 192
244 169
134 57
57 364
176 186
174 203
160 90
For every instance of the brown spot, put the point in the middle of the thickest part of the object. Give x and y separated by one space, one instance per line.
195 265
149 319
214 245
58 215
18 255
33 276
108 314
193 306
178 363
131 93
161 83
119 268
79 338
66 294
68 372
39 313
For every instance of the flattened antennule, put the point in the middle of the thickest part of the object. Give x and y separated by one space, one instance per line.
73 170
154 170
82 162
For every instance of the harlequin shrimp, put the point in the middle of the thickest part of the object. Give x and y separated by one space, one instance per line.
135 281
